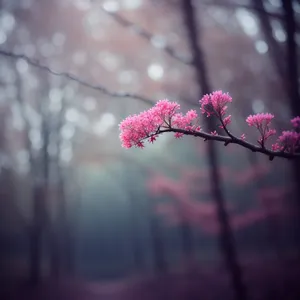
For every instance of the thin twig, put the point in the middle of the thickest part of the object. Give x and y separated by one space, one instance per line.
97 87
255 8
232 5
143 33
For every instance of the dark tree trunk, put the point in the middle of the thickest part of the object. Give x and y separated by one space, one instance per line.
227 243
275 50
288 71
293 92
273 225
157 240
188 251
187 241
54 255
136 245
35 251
64 228
159 258
38 199
292 57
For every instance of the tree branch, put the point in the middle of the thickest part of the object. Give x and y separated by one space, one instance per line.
232 5
232 140
146 35
72 77
255 8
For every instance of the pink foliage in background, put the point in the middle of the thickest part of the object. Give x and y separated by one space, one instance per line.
274 198
194 176
203 214
250 173
209 223
183 207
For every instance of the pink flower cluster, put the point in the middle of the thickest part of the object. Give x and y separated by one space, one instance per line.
262 122
215 104
296 123
165 116
289 141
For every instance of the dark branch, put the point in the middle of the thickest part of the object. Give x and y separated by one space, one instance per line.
232 140
232 5
147 36
72 77
255 8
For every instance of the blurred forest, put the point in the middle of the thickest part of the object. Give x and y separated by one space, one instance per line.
83 218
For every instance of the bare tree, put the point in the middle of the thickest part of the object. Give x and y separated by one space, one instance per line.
276 52
227 243
293 87
37 190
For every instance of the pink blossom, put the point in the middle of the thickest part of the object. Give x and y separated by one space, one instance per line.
215 104
191 115
296 122
166 108
289 137
261 122
183 121
164 115
290 141
140 144
152 139
226 121
178 135
269 133
276 147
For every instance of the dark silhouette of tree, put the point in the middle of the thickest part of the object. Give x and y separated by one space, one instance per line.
292 70
134 208
227 243
37 189
287 69
276 51
160 263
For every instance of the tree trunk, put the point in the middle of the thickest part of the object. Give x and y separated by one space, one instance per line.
293 92
54 255
187 241
227 244
38 193
188 252
36 236
275 51
137 251
273 225
64 230
158 246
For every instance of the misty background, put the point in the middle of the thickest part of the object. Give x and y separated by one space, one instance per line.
77 207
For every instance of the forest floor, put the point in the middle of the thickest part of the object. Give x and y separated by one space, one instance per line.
264 281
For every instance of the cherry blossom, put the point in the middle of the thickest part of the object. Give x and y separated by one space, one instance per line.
165 116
